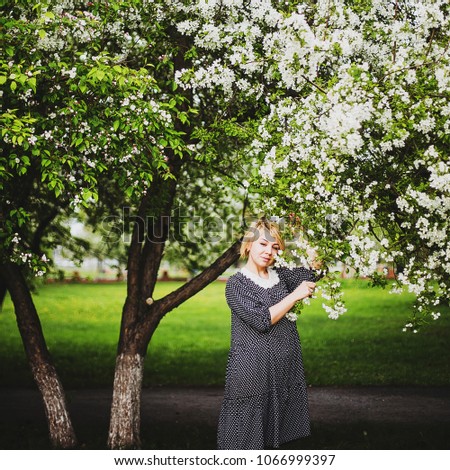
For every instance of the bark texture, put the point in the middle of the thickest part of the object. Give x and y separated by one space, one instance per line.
62 434
61 431
124 430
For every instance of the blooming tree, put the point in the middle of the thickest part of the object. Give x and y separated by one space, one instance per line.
354 147
73 111
77 113
93 120
336 113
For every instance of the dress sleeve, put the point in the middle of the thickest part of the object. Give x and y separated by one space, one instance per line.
244 302
295 276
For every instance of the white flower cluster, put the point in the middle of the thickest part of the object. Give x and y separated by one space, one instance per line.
332 293
20 255
291 316
362 140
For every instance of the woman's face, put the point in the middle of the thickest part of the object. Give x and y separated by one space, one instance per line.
263 250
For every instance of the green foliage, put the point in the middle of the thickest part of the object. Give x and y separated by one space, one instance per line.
81 106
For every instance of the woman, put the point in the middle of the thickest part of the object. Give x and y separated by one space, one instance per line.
265 402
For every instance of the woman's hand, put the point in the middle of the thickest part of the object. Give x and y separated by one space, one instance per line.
305 289
279 310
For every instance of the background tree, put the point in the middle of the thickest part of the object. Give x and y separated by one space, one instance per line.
93 118
71 111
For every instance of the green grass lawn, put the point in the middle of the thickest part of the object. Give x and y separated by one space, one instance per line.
366 346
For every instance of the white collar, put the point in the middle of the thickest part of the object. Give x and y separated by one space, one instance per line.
271 281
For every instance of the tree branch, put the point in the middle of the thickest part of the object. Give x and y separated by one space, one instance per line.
38 234
157 234
199 282
135 249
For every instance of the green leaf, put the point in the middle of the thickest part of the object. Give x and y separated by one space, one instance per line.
42 34
86 194
32 83
116 125
2 79
13 86
129 191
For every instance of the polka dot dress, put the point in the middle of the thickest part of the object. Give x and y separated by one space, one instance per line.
265 402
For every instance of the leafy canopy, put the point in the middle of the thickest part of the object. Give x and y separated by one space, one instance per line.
353 149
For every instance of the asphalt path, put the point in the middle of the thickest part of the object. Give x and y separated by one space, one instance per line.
200 406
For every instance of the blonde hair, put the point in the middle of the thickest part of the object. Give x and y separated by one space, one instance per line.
255 230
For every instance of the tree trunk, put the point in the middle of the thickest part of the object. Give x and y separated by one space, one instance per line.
144 258
125 422
61 431
124 430
125 411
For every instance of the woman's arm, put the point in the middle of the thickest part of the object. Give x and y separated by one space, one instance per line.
279 310
293 277
246 305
